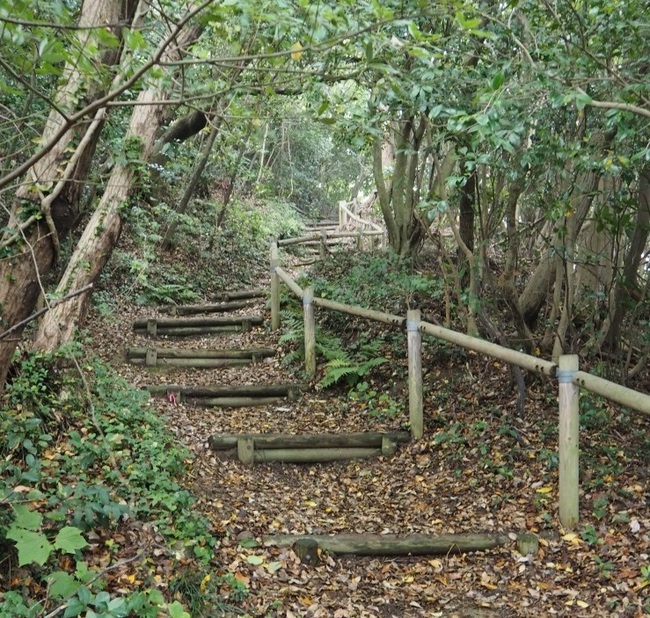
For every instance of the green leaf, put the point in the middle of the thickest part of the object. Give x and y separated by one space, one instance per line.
468 24
255 560
582 100
176 610
69 540
248 543
31 546
497 80
30 520
62 584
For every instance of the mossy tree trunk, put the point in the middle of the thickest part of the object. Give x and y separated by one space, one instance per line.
47 204
103 230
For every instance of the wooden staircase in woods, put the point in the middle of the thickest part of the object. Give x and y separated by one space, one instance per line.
189 321
249 448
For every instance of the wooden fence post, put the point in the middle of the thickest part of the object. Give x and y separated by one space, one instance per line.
323 245
569 446
310 331
414 340
360 240
275 288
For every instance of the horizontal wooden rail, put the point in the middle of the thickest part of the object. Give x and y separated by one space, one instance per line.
291 284
612 391
378 316
319 236
358 219
526 361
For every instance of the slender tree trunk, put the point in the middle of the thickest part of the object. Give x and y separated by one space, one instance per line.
192 184
537 288
103 229
35 240
628 282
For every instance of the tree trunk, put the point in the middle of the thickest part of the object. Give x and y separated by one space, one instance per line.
398 199
103 229
36 240
466 211
628 283
537 288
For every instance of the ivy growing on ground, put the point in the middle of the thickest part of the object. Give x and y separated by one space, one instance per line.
80 459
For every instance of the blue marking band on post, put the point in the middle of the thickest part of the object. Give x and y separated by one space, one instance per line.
412 326
565 376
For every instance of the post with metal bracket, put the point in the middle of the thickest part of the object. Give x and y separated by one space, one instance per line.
310 331
275 288
414 340
569 446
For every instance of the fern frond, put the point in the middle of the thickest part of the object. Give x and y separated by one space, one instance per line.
334 374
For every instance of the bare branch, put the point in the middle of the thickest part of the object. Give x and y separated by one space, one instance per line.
99 103
40 312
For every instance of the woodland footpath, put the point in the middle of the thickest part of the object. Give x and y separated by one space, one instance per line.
164 525
150 151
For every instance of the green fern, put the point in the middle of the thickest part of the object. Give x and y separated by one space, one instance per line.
350 369
334 371
341 363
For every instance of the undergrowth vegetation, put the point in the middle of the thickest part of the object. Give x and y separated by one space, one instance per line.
358 354
151 273
88 473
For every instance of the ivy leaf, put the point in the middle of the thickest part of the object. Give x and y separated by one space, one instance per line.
69 540
31 546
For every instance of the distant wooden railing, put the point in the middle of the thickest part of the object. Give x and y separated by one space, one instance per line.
569 378
345 215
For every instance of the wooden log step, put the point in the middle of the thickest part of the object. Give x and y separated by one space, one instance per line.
226 390
210 308
311 455
162 323
246 353
323 223
199 331
241 294
370 439
235 402
196 363
393 545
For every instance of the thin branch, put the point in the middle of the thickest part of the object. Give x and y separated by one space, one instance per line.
40 312
45 24
99 103
626 107
33 90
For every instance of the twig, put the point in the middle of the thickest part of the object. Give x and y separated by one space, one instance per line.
40 312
